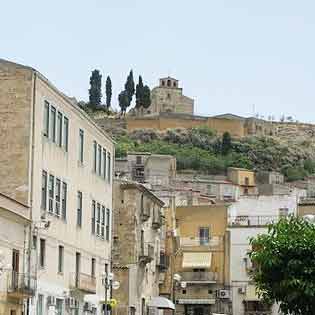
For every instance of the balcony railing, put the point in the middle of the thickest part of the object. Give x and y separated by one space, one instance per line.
146 254
21 285
199 277
244 220
157 221
213 242
83 282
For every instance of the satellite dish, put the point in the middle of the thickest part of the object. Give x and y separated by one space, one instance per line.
115 285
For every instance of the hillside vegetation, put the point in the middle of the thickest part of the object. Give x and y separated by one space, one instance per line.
201 149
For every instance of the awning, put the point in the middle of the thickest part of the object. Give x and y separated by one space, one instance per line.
251 294
197 260
196 301
161 302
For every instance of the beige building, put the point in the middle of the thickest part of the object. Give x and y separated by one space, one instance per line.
138 253
17 284
168 98
198 277
244 178
56 161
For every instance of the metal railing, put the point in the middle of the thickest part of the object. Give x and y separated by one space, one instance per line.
215 241
21 284
244 220
199 276
146 254
83 282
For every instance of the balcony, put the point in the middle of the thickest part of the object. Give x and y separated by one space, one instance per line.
83 282
21 285
214 243
157 221
200 277
146 254
252 221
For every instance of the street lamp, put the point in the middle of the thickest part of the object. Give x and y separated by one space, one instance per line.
176 281
108 282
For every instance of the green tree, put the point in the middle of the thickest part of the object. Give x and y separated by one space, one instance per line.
284 261
108 90
146 97
130 87
139 93
123 100
95 91
226 143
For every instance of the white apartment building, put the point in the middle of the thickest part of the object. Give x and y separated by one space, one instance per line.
59 163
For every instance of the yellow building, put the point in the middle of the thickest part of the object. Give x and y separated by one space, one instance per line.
244 178
198 278
306 206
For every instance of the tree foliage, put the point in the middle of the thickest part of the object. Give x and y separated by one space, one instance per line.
123 101
130 87
139 93
226 143
95 91
108 91
146 101
284 261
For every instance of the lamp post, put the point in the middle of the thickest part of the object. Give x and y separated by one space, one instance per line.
176 281
107 279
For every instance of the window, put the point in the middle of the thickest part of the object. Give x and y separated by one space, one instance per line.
65 133
81 145
103 223
59 307
139 160
204 235
143 307
184 291
46 120
40 304
58 196
98 219
59 129
104 163
42 253
163 83
99 160
109 167
51 193
246 191
52 123
107 224
60 258
44 190
246 181
174 84
169 83
79 209
93 261
34 242
64 201
283 212
93 216
77 264
94 156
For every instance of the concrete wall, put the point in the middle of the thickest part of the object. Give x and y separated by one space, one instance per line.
16 85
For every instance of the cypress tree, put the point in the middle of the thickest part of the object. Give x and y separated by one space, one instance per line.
123 101
108 89
146 97
95 91
130 86
226 143
139 93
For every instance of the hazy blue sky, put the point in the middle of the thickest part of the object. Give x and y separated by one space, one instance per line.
228 55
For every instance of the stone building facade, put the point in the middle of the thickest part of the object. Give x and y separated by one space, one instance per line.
168 98
137 248
59 163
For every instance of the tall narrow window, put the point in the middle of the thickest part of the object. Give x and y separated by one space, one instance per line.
59 307
94 156
93 216
51 189
59 129
104 163
60 258
99 160
79 209
46 120
77 267
65 133
103 223
64 201
81 145
109 167
40 304
98 219
93 263
204 235
42 253
58 196
44 190
107 224
53 123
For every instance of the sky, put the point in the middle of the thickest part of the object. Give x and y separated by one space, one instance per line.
241 57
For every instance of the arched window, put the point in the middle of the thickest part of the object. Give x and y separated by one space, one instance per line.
163 83
174 84
169 83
